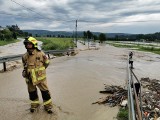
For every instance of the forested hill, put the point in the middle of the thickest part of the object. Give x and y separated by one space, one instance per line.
68 33
51 33
110 36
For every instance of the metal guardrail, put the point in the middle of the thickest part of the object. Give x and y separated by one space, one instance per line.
8 58
131 109
134 96
58 51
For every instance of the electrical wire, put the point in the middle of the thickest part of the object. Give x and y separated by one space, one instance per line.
91 23
87 21
42 16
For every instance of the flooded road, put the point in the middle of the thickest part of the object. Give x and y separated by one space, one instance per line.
74 83
13 49
79 78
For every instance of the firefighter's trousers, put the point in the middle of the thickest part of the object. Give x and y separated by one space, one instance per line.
33 94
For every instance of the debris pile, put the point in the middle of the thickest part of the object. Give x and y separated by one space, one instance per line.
118 94
152 85
150 97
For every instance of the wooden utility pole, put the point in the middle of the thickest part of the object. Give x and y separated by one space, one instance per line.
76 33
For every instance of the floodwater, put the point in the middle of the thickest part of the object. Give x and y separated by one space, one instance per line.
13 49
74 83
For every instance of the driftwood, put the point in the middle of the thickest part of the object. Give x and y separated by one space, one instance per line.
118 94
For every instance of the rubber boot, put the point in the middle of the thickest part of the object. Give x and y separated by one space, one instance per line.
48 110
34 108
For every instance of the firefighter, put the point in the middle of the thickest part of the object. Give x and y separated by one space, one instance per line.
35 63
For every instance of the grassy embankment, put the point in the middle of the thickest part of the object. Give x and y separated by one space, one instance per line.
56 43
5 42
140 47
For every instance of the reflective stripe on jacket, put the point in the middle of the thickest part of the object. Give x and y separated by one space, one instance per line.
37 74
35 65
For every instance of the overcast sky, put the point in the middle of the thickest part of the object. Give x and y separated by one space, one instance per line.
108 16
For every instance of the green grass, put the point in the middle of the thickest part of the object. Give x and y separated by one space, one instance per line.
145 48
122 114
5 42
123 45
150 49
56 43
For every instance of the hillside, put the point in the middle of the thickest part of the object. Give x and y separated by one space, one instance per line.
69 33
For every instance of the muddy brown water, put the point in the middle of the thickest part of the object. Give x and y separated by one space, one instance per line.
74 83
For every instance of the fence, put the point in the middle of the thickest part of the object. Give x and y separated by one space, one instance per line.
134 96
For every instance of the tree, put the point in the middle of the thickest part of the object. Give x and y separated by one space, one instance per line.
95 37
30 34
84 34
1 36
59 35
26 34
102 37
36 35
7 34
14 35
89 34
13 28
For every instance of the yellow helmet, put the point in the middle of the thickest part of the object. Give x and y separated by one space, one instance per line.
32 40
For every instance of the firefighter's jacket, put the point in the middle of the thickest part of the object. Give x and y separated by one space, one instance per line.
35 66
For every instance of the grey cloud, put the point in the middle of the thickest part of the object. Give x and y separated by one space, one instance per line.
86 11
131 13
1 2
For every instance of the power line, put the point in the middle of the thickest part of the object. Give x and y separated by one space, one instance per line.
43 17
25 7
83 21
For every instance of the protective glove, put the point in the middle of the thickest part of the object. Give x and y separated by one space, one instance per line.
27 81
24 73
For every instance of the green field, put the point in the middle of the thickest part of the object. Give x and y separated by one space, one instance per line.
140 47
7 42
56 43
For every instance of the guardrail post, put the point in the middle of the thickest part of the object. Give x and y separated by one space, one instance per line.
4 66
48 56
